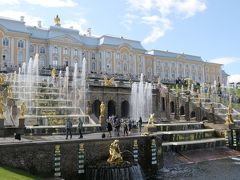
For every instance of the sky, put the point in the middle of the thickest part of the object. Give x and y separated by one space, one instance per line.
206 28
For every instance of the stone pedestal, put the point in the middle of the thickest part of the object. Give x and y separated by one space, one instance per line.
148 129
102 121
1 127
21 122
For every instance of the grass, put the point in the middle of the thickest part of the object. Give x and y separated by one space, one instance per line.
7 173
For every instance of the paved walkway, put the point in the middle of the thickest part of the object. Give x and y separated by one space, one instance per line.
52 138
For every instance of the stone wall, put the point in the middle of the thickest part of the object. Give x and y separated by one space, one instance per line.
38 158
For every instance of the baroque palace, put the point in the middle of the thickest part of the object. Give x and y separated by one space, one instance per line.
106 56
58 47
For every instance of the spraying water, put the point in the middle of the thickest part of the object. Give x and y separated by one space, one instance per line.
141 100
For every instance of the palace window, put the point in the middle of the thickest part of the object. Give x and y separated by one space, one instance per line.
20 44
125 67
31 48
100 66
42 50
20 57
5 42
118 55
3 57
65 51
75 52
93 66
55 50
93 55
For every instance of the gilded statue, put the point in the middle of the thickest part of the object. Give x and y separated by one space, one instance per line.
159 80
9 91
2 107
57 21
2 79
53 73
23 109
151 119
229 119
115 154
102 109
108 82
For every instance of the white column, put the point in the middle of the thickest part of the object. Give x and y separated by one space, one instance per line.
12 51
104 61
177 69
154 67
184 69
50 55
60 57
27 50
143 66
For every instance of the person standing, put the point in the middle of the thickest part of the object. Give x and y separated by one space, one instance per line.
68 128
109 128
80 127
129 126
140 124
125 128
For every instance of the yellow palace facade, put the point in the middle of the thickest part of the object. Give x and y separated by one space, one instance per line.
59 47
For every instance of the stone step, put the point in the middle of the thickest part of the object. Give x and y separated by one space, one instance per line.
178 126
187 131
201 141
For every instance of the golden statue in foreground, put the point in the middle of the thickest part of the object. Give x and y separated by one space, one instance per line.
23 110
229 119
151 120
108 82
2 107
115 154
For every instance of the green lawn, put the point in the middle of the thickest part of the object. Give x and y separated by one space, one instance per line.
15 174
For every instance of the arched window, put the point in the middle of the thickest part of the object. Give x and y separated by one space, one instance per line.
5 42
31 48
93 55
65 51
125 67
20 44
75 52
42 50
55 61
93 66
55 50
20 57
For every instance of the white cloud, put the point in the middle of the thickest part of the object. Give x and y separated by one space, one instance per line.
225 60
234 78
79 24
52 3
158 14
159 28
129 20
9 2
30 20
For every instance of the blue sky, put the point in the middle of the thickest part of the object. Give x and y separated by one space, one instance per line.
208 28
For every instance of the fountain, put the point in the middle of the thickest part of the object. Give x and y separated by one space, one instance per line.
141 100
49 99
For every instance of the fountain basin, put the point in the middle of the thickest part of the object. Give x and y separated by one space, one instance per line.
104 171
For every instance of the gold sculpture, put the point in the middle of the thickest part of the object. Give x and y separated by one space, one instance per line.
115 154
2 79
229 119
102 109
108 82
53 73
2 107
57 21
151 120
23 110
9 90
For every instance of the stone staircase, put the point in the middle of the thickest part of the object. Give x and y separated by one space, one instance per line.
182 136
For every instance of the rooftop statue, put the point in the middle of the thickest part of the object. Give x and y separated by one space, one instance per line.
115 154
57 21
108 82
